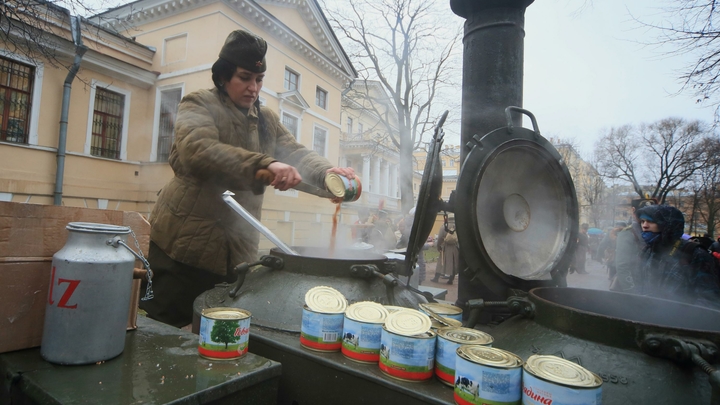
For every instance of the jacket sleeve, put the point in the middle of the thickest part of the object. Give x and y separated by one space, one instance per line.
200 152
312 167
706 288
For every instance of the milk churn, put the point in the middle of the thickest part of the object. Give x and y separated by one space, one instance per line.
89 295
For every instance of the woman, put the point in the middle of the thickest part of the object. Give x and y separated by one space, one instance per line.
673 268
222 138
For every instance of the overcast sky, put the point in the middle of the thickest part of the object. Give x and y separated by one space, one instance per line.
588 71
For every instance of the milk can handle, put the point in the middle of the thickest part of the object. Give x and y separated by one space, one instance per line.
117 241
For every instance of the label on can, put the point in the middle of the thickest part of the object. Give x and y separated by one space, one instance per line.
320 331
361 340
553 380
224 333
340 186
448 341
410 358
480 384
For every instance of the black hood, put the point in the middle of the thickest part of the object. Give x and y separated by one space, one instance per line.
669 219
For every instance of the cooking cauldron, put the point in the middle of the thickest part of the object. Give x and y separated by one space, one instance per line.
274 292
627 339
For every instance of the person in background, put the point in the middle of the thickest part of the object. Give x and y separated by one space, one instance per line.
421 259
358 232
715 246
628 245
606 248
447 244
671 267
578 265
222 138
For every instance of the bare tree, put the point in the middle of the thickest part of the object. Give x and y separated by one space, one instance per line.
403 45
665 154
708 192
589 185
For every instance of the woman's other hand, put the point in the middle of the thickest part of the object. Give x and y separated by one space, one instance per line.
286 176
348 172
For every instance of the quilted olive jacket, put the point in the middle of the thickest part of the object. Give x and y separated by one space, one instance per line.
217 148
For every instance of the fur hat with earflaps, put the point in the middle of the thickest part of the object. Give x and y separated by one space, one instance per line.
245 50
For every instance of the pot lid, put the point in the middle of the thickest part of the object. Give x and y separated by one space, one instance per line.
428 202
516 211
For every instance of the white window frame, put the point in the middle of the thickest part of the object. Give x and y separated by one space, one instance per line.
156 115
126 117
299 123
299 77
327 135
36 93
327 97
349 122
184 34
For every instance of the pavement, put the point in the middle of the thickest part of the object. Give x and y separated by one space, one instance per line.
596 279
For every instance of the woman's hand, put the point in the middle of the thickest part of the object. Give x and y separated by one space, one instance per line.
286 176
348 172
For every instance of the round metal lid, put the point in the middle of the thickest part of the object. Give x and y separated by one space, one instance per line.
97 228
516 209
440 308
408 322
225 313
326 300
429 202
561 371
367 311
444 323
393 308
466 336
489 356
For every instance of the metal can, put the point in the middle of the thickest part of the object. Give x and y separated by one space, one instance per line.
486 375
444 310
362 331
407 358
448 341
551 379
89 296
340 186
321 331
448 323
224 333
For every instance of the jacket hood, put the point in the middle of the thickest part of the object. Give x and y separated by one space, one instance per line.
669 219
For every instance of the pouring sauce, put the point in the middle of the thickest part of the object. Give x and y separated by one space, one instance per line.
333 236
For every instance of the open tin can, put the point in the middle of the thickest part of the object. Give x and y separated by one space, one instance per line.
340 186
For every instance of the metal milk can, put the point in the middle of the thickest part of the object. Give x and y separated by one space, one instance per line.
89 295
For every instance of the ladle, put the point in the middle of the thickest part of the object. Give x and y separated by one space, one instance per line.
229 200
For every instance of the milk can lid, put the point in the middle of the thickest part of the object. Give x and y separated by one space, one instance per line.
561 371
97 228
367 311
325 300
408 322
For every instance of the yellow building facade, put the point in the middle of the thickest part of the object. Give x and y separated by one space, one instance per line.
140 60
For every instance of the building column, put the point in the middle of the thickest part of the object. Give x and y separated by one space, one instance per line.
393 181
366 171
376 176
384 178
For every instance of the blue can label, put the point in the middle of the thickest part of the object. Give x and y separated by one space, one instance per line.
321 331
361 340
409 358
476 384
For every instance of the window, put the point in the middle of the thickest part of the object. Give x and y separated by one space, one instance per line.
291 123
319 137
16 81
360 128
320 97
291 80
349 125
107 124
169 101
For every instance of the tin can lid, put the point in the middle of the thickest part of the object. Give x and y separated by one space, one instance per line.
441 309
393 308
489 356
335 184
326 300
225 313
444 322
408 322
560 371
465 336
367 311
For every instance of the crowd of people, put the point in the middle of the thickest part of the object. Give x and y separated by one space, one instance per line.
650 255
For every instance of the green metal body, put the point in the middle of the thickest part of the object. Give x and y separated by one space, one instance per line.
160 365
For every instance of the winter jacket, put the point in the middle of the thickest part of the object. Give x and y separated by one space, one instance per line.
217 148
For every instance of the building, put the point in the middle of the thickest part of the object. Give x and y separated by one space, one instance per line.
140 60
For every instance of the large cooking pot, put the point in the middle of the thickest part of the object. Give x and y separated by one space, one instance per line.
274 292
647 350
